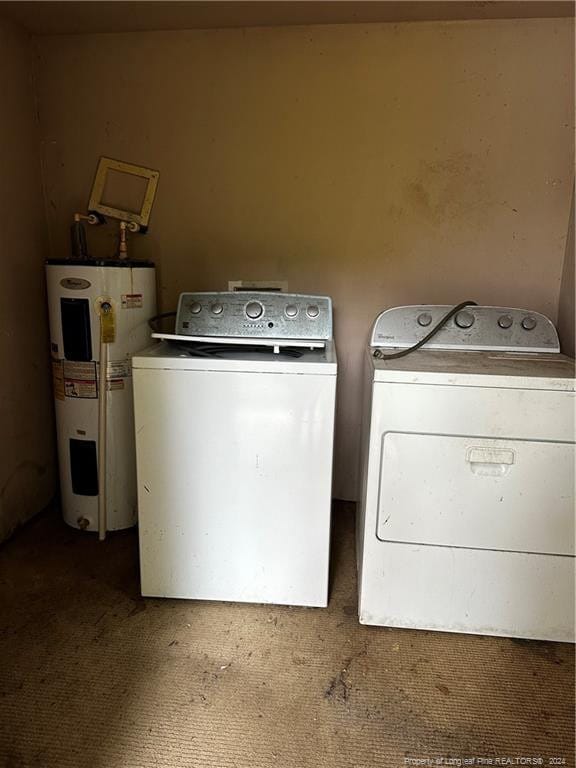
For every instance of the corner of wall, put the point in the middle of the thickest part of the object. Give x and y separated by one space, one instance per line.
566 308
27 451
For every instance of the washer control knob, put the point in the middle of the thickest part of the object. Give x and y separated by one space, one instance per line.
424 319
464 319
254 310
529 323
217 309
291 310
196 308
312 311
505 321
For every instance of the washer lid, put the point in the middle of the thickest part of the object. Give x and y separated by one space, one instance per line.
478 369
240 358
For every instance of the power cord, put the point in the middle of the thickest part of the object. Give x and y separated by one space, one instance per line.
153 320
440 324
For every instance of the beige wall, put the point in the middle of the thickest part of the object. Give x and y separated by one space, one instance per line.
380 164
566 311
27 476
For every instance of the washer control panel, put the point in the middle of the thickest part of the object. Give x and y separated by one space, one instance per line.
252 314
473 328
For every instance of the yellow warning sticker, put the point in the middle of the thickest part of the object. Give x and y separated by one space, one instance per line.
107 323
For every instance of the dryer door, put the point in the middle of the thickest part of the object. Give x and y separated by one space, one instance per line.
514 495
448 477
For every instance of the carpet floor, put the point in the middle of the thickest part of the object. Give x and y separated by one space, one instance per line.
94 676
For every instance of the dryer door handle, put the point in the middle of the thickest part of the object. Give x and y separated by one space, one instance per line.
490 462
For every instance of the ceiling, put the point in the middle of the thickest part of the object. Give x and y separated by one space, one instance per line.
53 18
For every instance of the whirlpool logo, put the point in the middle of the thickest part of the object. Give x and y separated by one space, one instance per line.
75 283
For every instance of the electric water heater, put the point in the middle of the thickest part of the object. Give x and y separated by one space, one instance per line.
97 308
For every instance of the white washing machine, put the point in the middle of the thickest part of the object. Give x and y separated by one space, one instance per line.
234 417
466 519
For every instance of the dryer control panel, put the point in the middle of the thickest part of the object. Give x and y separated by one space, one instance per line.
473 328
254 314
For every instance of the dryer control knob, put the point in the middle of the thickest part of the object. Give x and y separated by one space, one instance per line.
291 310
254 310
529 323
464 319
424 319
312 311
217 309
196 308
505 321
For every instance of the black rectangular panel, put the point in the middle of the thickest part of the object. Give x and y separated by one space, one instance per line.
84 467
76 329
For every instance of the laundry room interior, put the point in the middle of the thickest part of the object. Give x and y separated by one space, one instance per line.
261 542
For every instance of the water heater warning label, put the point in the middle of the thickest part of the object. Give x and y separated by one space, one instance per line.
58 380
80 380
119 369
132 301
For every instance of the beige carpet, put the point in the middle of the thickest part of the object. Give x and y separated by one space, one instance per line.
92 675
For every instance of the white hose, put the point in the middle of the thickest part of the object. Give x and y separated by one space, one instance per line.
102 415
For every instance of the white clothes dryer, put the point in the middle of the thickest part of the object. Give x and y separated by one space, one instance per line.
466 520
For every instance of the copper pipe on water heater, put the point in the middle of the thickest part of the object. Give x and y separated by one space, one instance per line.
126 226
123 246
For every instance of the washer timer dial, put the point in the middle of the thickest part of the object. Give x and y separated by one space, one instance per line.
254 310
